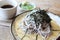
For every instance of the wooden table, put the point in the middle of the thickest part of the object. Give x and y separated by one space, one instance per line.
5 30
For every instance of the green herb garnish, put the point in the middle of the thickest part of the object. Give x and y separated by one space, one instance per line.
26 6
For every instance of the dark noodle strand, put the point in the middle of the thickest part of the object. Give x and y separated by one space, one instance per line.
37 37
24 34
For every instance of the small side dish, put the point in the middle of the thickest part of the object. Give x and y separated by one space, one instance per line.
27 6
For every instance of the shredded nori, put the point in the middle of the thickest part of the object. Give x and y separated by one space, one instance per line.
39 16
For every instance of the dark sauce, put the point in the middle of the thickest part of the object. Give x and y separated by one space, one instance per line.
6 6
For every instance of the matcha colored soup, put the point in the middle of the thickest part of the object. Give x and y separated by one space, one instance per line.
26 6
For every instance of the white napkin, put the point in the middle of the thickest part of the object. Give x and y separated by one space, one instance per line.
5 23
55 18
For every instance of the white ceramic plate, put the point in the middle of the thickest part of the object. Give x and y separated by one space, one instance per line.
14 32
